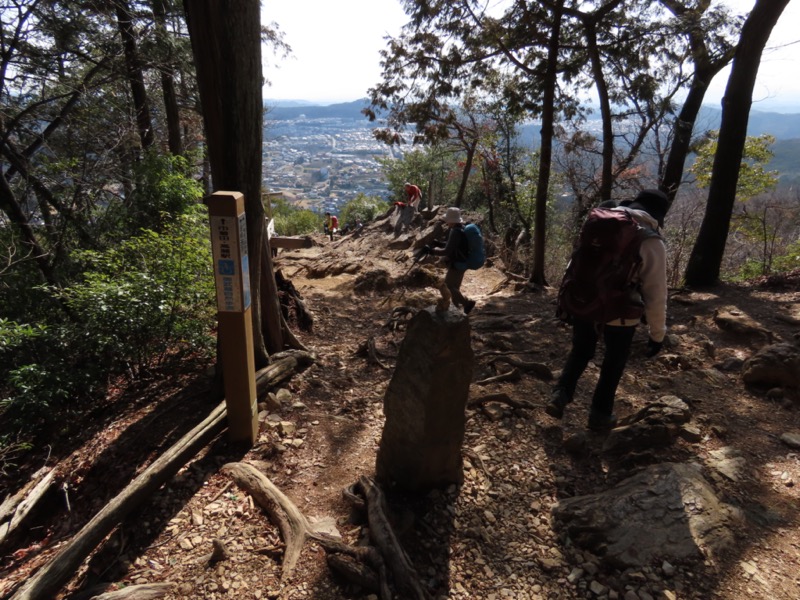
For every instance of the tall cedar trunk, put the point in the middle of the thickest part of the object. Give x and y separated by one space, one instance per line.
135 74
546 150
465 173
705 261
705 69
682 131
604 191
589 22
226 43
171 111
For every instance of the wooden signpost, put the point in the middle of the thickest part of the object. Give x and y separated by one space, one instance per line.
232 278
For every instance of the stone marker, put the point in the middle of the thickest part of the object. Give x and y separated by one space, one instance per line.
425 402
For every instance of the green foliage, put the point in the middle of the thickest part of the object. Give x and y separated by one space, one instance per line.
362 208
754 179
150 293
433 169
148 300
164 186
290 220
790 261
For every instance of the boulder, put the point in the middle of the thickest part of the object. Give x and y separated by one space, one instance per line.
777 365
665 512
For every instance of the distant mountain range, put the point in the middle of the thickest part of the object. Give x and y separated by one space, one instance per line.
782 125
295 109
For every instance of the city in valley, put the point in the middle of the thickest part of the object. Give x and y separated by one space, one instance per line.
322 163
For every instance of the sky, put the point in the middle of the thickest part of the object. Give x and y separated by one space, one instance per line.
336 45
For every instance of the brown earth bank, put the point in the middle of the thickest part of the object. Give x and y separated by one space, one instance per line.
492 537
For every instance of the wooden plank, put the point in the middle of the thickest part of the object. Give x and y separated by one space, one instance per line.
291 243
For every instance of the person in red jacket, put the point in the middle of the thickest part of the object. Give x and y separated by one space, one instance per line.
413 195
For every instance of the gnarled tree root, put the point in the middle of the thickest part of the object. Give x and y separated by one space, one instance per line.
366 566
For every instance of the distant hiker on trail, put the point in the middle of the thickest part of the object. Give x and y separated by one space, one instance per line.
405 212
463 250
331 224
413 195
643 297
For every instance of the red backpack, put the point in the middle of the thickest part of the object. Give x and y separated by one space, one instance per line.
600 284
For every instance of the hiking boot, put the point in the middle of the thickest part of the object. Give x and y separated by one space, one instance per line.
558 400
601 422
468 306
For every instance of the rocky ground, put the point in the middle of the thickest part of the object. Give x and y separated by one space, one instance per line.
507 532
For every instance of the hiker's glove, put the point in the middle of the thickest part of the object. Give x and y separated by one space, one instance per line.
653 348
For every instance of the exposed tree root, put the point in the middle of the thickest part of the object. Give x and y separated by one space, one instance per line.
367 566
540 370
148 591
503 399
512 375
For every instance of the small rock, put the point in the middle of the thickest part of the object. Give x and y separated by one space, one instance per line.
575 444
775 394
272 402
283 396
287 428
791 439
574 575
597 588
667 569
690 433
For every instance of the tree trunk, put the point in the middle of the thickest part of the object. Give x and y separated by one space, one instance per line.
705 261
470 157
705 69
226 42
171 111
546 150
135 76
606 170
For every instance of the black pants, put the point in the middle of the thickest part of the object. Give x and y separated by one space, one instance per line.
453 279
617 342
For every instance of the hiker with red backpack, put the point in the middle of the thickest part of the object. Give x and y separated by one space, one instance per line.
616 278
463 250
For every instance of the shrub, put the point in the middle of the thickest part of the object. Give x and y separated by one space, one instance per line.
148 300
362 208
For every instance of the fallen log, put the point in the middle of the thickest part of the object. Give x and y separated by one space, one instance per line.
284 365
16 509
50 578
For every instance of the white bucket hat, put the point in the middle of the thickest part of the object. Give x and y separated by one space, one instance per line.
453 215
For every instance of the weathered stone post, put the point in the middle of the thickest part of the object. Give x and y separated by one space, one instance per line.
425 402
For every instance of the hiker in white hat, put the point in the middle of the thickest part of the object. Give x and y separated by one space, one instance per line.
454 252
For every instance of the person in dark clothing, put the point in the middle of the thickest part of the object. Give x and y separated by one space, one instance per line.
455 250
649 209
